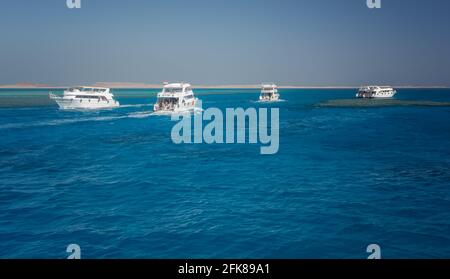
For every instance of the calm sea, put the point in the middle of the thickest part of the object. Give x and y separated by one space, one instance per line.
114 183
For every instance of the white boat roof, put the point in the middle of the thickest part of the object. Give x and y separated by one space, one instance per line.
91 87
376 86
177 85
268 85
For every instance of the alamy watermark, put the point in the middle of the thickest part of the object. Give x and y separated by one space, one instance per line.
238 125
73 4
375 252
374 4
76 4
74 252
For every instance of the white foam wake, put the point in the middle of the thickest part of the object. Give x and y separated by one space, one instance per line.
65 121
269 102
136 106
140 114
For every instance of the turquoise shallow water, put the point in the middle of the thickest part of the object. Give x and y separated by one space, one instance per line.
114 183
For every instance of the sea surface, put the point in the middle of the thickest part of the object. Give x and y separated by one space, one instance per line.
346 176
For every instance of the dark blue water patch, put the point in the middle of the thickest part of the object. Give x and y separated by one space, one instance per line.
116 185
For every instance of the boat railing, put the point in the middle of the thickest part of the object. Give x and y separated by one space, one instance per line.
53 96
169 94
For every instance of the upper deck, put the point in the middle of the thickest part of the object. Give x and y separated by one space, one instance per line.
375 88
175 90
269 88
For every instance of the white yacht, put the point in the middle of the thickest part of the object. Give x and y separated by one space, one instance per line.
175 97
269 93
376 92
86 98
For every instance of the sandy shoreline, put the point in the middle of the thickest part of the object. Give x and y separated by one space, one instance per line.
125 85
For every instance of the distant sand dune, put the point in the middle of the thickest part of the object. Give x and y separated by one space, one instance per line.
25 85
138 85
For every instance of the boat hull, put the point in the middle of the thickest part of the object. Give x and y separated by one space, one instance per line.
375 96
77 104
273 98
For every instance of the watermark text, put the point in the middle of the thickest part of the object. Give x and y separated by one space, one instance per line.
238 125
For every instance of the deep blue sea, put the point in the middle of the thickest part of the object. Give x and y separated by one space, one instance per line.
114 183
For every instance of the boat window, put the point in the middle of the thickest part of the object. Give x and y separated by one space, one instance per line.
172 90
87 97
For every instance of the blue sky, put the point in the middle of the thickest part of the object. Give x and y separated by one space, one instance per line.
297 42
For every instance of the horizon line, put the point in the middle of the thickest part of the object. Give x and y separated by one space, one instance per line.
140 85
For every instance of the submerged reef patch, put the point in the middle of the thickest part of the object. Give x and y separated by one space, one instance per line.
346 103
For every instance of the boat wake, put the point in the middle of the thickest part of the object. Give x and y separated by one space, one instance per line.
195 110
141 114
136 106
67 121
269 102
161 113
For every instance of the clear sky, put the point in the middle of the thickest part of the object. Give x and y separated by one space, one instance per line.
291 42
